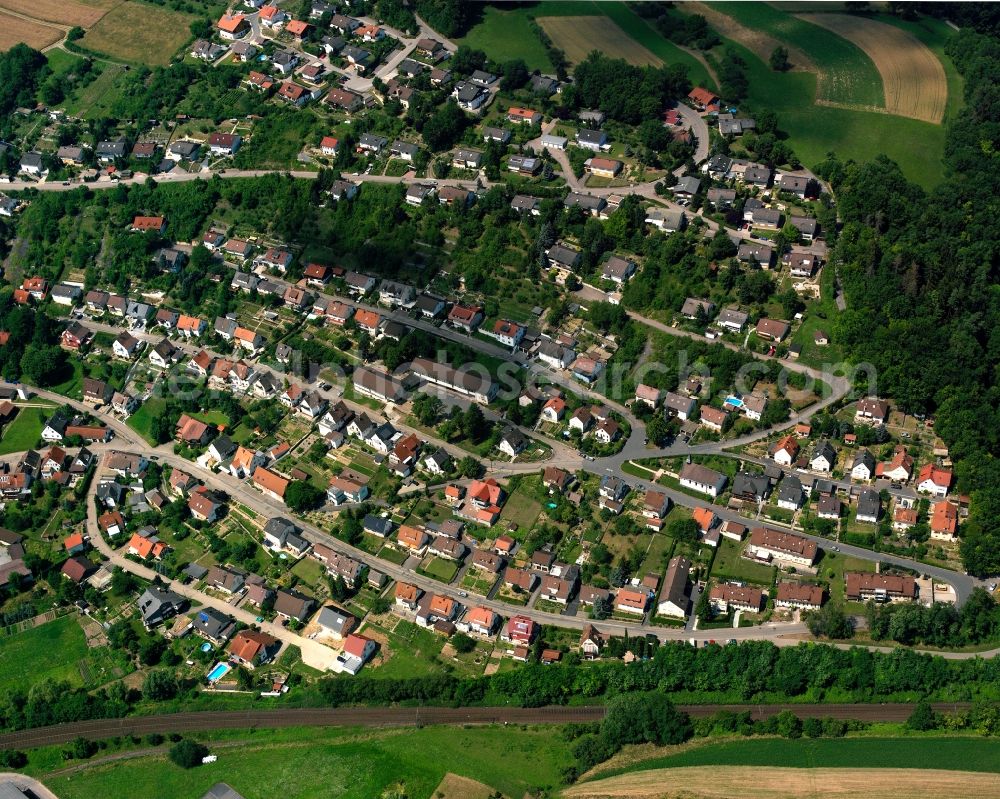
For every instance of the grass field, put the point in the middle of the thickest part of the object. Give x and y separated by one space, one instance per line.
61 61
24 431
64 12
139 33
349 764
709 782
95 99
505 35
48 652
34 34
913 78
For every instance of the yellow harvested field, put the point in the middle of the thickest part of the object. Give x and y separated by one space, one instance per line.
912 76
750 782
759 43
141 33
455 787
14 30
64 12
577 36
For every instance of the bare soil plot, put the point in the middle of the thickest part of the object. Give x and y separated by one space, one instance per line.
748 782
913 78
455 787
139 33
759 43
577 36
14 30
64 12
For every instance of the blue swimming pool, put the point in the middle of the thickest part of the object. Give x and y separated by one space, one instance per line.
736 402
206 647
219 671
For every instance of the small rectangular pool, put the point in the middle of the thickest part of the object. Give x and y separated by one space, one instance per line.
219 671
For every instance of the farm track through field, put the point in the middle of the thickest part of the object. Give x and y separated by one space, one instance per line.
62 12
98 729
755 782
913 78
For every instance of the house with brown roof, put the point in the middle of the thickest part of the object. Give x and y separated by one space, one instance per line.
412 538
674 594
77 569
772 329
726 596
407 595
944 521
192 431
801 596
702 479
252 648
292 605
270 483
864 586
871 410
768 544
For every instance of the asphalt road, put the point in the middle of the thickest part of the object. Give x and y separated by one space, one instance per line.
415 717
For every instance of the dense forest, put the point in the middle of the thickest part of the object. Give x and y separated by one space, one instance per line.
920 273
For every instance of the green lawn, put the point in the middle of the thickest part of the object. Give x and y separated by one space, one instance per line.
49 652
73 385
24 431
309 570
349 764
142 420
849 74
439 568
962 754
393 555
729 564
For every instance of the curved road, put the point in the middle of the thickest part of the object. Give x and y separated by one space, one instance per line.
418 716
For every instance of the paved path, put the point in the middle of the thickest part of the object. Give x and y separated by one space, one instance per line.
418 716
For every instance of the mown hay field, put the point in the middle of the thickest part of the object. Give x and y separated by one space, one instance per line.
14 30
750 782
577 36
64 12
139 33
